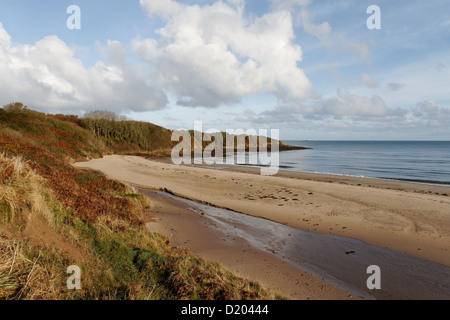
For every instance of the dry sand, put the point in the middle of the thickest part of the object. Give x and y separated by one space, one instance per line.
404 217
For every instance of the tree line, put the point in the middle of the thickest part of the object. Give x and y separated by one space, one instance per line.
119 128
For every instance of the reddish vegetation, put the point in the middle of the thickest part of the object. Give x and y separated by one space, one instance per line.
87 194
6 174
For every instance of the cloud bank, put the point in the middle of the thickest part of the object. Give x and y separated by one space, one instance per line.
48 74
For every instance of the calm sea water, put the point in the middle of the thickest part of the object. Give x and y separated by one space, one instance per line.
415 161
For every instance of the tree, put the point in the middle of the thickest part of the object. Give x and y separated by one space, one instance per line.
15 106
103 123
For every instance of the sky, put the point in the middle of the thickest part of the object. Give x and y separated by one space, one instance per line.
311 68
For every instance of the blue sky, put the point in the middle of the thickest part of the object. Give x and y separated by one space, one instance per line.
307 67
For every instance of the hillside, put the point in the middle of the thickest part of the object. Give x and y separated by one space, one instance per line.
53 216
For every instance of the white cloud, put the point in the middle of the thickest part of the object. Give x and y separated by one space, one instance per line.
288 4
318 31
353 113
368 81
330 38
343 106
162 8
434 110
421 80
347 104
395 86
48 75
5 39
239 4
212 55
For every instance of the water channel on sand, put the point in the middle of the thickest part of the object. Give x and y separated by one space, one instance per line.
341 261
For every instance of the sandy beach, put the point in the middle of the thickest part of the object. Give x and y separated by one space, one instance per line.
187 228
404 217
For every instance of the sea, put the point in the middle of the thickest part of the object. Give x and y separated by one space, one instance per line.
425 162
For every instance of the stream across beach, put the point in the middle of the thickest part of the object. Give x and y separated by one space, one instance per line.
342 262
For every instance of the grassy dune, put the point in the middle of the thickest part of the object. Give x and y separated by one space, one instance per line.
53 216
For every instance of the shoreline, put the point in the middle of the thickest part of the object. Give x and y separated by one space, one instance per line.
384 183
400 216
325 174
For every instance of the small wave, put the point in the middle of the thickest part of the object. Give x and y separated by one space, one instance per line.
420 181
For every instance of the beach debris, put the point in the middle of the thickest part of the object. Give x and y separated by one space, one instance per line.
350 252
274 251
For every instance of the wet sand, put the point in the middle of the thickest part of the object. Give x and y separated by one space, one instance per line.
404 217
187 228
